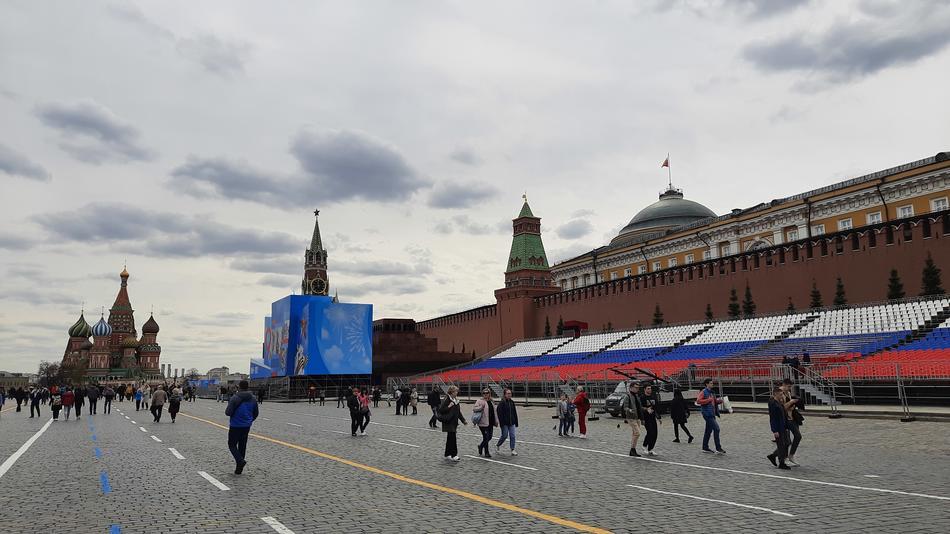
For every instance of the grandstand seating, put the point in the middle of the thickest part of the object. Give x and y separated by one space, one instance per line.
831 337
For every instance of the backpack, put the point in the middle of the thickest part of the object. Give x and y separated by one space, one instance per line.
444 417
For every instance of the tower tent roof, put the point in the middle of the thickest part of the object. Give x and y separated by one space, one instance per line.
527 252
526 210
316 242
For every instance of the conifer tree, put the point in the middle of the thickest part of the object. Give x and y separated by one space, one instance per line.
733 304
791 306
815 297
709 312
840 299
547 327
748 305
560 326
930 280
657 316
895 288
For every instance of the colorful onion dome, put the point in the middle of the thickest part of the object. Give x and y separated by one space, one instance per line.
130 343
102 328
150 326
81 328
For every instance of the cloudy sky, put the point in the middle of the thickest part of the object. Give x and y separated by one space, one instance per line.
193 141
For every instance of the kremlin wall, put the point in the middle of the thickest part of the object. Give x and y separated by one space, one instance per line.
680 256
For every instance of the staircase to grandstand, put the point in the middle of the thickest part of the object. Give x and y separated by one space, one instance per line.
895 340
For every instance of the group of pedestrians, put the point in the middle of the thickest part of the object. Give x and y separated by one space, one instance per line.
785 420
641 411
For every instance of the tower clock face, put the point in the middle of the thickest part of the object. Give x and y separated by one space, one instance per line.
318 286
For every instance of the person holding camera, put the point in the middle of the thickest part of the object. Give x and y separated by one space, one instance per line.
632 414
793 419
709 407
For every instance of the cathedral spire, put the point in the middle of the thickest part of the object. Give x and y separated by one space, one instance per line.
316 243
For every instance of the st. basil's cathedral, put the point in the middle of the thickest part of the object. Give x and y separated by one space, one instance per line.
115 352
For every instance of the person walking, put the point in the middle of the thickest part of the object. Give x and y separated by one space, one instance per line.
353 403
563 415
312 394
158 402
55 403
138 399
323 396
146 397
174 402
414 401
36 397
434 400
709 407
377 395
20 396
651 418
342 398
68 399
632 414
364 410
79 398
108 394
483 416
242 409
679 413
793 419
582 402
397 396
507 414
450 414
778 423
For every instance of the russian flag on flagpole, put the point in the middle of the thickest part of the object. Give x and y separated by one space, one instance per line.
666 162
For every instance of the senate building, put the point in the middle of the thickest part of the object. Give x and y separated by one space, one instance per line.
678 258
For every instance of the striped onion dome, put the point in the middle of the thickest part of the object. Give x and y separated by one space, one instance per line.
102 328
81 328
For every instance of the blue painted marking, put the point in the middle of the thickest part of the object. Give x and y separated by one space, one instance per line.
104 482
93 437
115 530
98 452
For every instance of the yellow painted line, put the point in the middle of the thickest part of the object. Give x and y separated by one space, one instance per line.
580 527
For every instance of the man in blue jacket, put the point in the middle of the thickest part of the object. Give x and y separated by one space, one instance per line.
242 409
777 421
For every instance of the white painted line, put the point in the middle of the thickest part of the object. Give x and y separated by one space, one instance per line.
175 453
391 441
277 525
156 439
217 483
294 424
8 463
133 422
873 476
127 417
264 418
502 463
142 428
338 431
698 498
750 473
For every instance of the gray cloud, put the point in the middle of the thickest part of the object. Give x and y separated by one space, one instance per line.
92 133
394 286
574 229
382 268
224 58
279 281
859 46
281 265
763 9
582 213
347 165
459 195
15 164
337 166
465 156
465 225
161 233
568 252
14 242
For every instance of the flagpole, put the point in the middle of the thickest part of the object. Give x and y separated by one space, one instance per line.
669 169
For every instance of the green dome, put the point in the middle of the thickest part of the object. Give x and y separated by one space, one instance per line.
81 328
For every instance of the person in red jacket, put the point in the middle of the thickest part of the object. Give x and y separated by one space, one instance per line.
583 405
68 399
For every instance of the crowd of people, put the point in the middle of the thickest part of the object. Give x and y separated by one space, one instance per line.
69 399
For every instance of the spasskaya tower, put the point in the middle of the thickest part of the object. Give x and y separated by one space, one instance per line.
315 279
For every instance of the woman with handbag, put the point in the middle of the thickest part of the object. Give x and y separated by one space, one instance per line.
484 417
450 414
364 411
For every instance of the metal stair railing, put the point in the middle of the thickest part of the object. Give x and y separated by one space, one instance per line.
821 387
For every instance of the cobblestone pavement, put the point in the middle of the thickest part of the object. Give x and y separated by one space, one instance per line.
105 474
